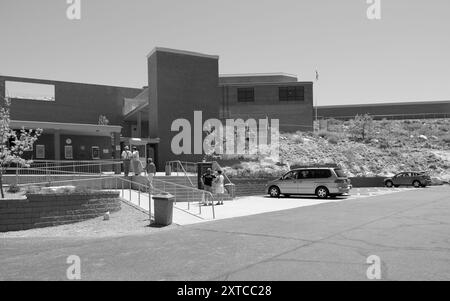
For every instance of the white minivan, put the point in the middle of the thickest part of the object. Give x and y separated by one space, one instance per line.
322 181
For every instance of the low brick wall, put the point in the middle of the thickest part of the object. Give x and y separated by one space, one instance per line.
46 210
367 181
247 187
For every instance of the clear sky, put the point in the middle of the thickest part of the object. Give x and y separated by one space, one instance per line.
405 56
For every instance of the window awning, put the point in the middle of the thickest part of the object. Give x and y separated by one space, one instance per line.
68 128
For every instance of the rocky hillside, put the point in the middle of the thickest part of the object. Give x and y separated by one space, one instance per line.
388 147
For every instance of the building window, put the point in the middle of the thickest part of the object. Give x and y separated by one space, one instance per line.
30 91
68 152
246 94
292 93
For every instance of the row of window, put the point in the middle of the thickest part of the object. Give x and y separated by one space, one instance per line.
308 174
291 93
68 152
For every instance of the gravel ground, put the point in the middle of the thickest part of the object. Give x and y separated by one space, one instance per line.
127 221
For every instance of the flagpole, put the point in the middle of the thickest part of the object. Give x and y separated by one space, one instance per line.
315 105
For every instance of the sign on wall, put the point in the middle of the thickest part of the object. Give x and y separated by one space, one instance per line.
68 152
40 151
95 152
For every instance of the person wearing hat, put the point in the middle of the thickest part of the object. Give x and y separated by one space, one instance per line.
126 157
207 181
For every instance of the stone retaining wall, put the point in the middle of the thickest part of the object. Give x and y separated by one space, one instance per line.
46 210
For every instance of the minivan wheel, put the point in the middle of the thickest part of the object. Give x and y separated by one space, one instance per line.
416 184
322 192
389 184
274 192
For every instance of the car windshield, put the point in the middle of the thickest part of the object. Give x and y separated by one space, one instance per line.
340 173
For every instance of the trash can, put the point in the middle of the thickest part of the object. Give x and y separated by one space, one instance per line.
231 189
163 204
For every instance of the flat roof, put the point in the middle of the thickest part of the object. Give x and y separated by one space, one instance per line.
184 52
52 81
380 104
257 74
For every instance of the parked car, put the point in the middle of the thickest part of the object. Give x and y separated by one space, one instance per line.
322 181
410 178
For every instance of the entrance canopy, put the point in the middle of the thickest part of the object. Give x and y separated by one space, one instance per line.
68 128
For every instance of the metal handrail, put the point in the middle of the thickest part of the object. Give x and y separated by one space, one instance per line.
176 185
182 168
148 188
226 177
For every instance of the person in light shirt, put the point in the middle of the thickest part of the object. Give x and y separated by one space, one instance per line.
126 157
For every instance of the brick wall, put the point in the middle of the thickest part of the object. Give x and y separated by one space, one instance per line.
180 84
46 210
293 115
74 102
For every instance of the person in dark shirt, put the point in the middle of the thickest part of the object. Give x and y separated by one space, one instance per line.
207 181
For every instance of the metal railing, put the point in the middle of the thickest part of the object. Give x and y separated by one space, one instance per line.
186 194
225 176
45 171
178 166
49 167
193 166
139 193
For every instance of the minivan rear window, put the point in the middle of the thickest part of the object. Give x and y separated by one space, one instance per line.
340 173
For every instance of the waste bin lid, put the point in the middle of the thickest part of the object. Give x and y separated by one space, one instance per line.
163 195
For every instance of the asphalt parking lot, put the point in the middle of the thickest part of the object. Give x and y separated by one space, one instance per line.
409 231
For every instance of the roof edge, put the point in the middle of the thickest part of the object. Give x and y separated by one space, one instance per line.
184 52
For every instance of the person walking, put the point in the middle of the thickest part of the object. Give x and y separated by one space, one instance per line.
150 169
219 185
207 181
126 157
136 164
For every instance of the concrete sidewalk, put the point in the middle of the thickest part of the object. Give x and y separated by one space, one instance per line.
185 214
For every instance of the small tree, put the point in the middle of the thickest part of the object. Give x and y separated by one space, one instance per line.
12 143
102 120
361 126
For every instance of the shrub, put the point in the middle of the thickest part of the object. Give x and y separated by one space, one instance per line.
61 190
333 140
297 139
13 188
33 189
446 138
384 145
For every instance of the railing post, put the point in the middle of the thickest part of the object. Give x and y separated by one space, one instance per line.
17 174
213 210
149 205
175 194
